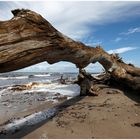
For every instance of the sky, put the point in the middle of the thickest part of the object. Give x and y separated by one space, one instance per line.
115 25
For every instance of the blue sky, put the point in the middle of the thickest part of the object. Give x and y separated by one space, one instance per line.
113 25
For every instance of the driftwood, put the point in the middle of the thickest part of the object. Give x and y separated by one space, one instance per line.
28 39
92 86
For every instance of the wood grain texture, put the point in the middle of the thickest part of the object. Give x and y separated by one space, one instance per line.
28 39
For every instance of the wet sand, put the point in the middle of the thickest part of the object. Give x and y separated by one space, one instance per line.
105 116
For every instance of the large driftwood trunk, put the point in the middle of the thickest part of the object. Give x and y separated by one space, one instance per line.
28 39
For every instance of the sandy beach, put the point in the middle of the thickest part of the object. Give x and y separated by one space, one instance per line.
105 116
54 110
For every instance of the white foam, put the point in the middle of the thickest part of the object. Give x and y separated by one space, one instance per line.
69 90
42 75
11 78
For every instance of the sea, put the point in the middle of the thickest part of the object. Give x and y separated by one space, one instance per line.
27 98
13 78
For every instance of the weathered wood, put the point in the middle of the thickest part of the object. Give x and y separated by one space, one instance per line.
28 39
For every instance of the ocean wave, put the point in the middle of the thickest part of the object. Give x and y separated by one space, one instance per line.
42 75
69 90
39 87
13 78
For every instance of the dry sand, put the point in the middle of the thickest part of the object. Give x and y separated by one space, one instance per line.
105 116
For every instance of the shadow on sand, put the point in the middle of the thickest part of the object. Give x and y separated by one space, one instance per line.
130 93
28 129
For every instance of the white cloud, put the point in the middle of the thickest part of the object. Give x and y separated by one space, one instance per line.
92 41
74 19
131 31
61 67
94 68
121 50
57 67
118 39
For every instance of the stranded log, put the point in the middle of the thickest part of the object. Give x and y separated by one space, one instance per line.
28 39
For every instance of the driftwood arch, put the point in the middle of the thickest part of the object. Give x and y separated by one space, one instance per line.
28 39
